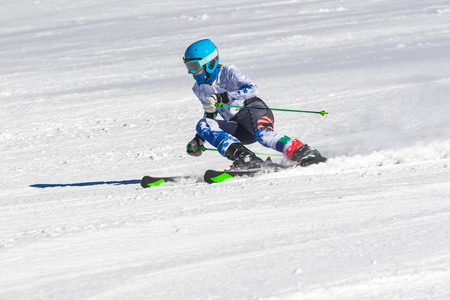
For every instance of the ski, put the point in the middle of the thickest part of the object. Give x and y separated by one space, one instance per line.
215 176
150 181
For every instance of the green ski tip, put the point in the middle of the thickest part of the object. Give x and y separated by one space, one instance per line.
221 177
156 183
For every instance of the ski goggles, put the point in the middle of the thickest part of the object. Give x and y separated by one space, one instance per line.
196 65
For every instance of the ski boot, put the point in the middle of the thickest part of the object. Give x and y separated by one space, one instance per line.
243 158
303 154
306 156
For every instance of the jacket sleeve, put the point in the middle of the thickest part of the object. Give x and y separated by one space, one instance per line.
239 86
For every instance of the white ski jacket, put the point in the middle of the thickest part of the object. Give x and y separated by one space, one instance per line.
237 86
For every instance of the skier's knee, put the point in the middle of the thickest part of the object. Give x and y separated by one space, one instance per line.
265 122
206 122
205 126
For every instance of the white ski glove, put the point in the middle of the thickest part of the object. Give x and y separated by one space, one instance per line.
210 104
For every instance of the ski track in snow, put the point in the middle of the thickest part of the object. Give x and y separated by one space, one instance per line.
94 95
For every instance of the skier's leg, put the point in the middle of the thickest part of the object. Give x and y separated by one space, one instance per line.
266 135
218 134
293 149
210 130
261 123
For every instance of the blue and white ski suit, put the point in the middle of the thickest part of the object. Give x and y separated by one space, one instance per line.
238 125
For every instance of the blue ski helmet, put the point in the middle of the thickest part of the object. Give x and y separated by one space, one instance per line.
199 54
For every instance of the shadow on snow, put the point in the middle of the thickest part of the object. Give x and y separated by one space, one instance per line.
121 182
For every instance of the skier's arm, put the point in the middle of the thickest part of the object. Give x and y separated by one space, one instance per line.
243 93
240 86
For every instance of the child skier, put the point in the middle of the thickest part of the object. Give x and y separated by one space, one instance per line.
216 85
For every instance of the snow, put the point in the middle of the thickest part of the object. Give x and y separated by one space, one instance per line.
94 95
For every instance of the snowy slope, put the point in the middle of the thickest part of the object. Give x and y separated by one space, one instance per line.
94 95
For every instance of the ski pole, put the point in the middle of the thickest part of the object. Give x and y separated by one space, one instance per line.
323 113
203 148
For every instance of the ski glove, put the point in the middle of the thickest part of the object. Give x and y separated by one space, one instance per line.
211 103
193 148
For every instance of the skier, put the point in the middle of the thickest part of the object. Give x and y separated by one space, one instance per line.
216 85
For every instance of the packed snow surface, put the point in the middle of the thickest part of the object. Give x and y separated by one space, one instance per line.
94 95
